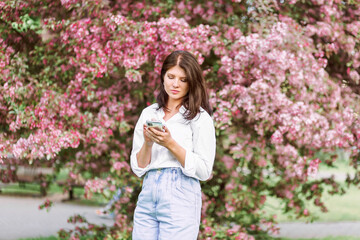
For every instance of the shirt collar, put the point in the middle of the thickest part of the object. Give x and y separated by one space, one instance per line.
182 109
160 113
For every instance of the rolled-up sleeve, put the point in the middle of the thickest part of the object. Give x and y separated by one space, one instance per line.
199 162
138 141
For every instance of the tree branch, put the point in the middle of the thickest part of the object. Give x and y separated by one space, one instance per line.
16 31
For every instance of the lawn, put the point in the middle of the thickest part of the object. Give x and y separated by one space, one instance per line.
341 165
33 189
341 208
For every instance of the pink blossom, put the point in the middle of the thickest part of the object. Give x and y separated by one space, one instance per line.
133 76
95 185
354 75
120 165
277 137
68 3
72 175
112 188
314 187
228 161
313 167
208 229
306 212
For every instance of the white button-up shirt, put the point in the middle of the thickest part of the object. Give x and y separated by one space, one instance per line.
197 137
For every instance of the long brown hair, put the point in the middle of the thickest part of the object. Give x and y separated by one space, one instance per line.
197 95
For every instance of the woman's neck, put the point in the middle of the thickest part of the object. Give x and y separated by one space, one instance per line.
173 105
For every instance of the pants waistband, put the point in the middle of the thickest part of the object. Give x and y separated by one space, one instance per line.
170 169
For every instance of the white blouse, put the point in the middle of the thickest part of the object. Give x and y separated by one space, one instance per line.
197 137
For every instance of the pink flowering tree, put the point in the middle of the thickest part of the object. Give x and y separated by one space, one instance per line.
283 82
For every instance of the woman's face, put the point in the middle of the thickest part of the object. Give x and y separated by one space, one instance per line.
175 83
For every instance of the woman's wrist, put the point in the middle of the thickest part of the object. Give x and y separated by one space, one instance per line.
171 146
178 151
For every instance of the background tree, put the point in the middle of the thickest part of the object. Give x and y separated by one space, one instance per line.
283 79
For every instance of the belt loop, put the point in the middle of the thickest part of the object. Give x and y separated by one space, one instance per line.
173 174
158 172
179 177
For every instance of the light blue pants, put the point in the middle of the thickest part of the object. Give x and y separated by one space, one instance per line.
168 207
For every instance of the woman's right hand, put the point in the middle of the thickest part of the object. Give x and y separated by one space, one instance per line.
148 141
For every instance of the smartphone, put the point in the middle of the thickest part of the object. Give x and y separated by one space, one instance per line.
155 124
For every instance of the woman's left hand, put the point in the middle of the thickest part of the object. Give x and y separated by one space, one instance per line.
160 137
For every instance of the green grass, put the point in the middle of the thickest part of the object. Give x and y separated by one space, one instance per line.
33 189
339 167
340 208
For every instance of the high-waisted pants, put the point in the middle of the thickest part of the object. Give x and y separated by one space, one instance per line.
168 206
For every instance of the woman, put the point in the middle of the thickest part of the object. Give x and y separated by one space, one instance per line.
176 158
